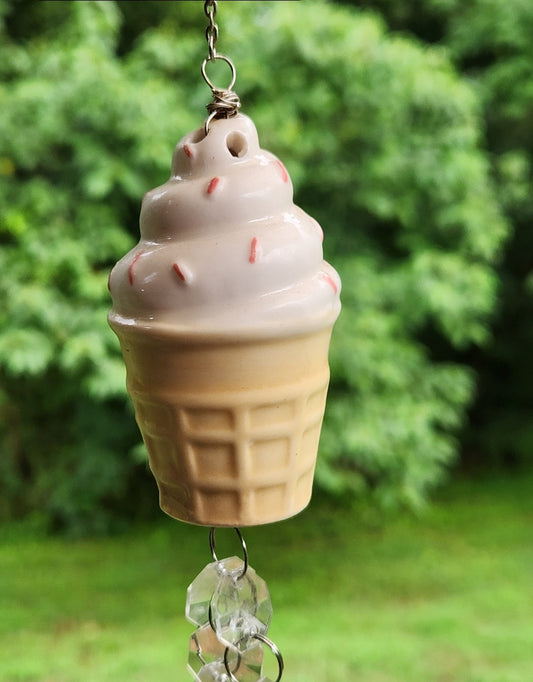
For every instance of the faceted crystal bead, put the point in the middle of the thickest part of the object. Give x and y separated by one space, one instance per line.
245 667
240 607
200 591
213 672
204 648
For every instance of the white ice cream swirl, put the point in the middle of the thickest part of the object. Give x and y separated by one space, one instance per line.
223 248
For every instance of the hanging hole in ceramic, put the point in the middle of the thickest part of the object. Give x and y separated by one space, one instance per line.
237 144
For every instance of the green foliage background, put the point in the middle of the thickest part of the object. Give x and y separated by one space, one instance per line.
489 41
385 142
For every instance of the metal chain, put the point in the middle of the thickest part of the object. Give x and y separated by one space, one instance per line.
211 32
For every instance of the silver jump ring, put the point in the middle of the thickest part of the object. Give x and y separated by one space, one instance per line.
265 640
208 120
212 547
228 62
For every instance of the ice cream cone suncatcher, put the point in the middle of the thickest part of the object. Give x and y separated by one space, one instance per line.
224 312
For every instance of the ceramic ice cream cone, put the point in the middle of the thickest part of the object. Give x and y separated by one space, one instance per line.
224 313
231 427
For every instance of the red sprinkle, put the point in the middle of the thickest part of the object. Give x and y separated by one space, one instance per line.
179 272
211 187
330 281
284 174
187 150
132 265
253 250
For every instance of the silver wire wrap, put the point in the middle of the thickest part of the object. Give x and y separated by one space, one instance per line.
226 103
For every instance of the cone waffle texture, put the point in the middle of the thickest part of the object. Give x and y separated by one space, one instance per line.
231 428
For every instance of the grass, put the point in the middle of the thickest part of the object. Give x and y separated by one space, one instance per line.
446 597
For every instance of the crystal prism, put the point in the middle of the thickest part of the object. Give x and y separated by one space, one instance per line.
200 591
204 648
213 672
240 608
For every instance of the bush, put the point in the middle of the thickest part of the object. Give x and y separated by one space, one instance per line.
490 42
382 140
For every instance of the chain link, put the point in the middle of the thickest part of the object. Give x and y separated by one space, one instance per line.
211 32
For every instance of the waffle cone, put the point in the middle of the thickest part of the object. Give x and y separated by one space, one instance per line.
231 427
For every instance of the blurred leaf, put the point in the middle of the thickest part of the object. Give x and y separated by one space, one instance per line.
25 352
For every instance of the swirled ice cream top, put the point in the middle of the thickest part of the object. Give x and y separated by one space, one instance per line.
223 248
